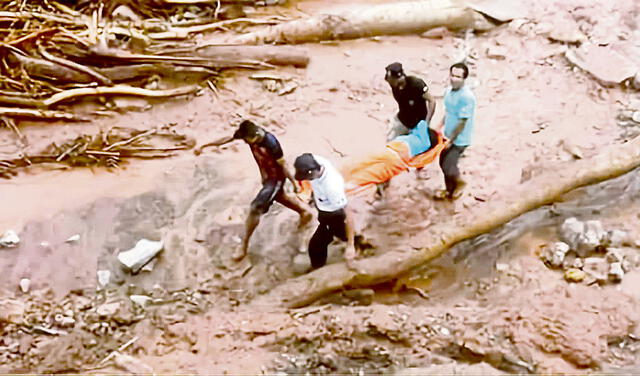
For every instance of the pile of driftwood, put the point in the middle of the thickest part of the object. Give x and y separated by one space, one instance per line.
106 149
53 52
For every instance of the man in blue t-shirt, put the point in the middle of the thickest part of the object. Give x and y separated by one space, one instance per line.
458 123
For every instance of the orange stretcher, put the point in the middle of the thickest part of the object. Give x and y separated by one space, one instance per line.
363 175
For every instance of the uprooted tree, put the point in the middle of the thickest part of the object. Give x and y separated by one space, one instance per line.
539 191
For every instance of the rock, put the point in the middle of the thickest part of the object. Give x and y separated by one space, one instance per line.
301 263
103 277
602 62
616 273
596 267
574 275
554 255
73 238
593 236
131 364
140 300
135 258
108 309
11 311
570 231
25 283
9 239
583 237
614 255
616 238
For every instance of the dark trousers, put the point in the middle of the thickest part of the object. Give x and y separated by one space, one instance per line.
449 165
332 224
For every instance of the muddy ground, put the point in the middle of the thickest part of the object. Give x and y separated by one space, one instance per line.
488 306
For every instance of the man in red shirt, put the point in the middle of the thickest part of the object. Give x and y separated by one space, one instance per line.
268 154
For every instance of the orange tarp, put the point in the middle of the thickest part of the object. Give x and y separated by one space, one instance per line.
361 176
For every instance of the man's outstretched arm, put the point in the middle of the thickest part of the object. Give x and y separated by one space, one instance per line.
218 142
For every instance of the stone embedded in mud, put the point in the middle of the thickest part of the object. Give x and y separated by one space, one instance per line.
554 254
607 65
571 230
574 275
616 273
614 255
137 257
301 263
9 239
583 237
11 311
617 238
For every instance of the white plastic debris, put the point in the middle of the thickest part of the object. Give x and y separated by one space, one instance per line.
135 258
73 238
9 239
25 283
103 277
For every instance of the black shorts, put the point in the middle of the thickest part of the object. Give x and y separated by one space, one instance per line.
271 190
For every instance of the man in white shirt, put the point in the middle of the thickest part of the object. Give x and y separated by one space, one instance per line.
331 201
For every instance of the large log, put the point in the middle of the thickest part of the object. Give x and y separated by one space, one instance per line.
367 21
274 55
541 190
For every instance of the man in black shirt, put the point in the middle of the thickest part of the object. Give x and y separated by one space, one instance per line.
268 154
415 103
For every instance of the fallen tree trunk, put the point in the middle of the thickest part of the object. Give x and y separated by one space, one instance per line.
130 72
274 55
217 56
541 190
118 89
371 20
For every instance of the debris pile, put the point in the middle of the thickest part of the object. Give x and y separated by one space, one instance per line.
588 253
106 149
57 51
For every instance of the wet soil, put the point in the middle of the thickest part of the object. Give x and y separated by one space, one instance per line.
461 313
